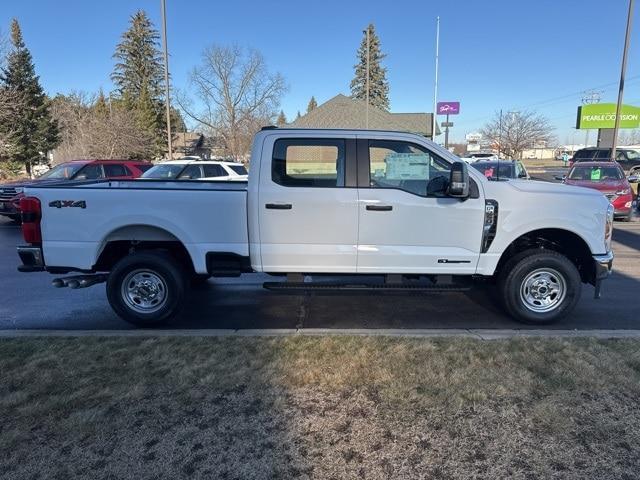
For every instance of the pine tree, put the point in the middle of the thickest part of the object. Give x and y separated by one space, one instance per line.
32 132
100 105
312 104
298 115
378 84
282 119
139 76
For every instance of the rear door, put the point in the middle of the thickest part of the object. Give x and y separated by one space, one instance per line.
402 227
308 204
214 172
116 170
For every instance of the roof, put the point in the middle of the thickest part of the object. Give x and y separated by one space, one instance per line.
109 160
603 163
350 113
188 161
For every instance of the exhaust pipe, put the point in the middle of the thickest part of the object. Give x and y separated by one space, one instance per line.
79 281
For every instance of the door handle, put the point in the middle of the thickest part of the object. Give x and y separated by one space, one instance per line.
278 206
380 208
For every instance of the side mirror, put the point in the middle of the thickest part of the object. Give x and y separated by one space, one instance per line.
82 176
459 180
633 179
561 178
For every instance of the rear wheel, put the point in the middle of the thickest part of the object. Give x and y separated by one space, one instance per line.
539 286
146 288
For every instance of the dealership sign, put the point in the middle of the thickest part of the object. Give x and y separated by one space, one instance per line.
603 115
448 108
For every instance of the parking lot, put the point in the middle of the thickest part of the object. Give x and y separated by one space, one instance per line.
30 302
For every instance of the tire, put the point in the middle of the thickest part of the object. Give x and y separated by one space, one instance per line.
525 283
147 288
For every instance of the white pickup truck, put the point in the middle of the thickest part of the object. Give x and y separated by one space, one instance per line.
393 209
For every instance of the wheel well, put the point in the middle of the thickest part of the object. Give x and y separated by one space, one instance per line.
562 241
115 250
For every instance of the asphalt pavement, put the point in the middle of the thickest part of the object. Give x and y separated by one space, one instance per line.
28 301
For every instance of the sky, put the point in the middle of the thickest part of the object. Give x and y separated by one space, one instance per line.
513 55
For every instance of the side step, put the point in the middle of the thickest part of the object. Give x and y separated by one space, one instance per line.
394 287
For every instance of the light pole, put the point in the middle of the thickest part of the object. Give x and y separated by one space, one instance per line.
166 75
623 70
435 87
367 83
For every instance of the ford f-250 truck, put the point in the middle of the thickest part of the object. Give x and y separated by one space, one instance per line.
385 206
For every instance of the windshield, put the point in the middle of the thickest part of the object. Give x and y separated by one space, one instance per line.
163 171
490 170
239 169
64 170
595 174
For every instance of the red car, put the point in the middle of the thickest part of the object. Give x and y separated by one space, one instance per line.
11 192
608 178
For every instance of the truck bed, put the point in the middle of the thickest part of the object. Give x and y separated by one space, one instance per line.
78 221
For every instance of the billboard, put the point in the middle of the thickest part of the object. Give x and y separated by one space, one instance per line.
448 108
603 115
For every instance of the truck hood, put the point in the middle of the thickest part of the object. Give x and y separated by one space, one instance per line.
539 187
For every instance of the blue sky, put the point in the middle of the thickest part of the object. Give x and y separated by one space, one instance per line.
494 54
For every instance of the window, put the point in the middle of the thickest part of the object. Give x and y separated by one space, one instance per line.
308 163
239 169
584 155
163 171
90 172
404 166
632 155
214 171
115 170
191 172
64 170
143 167
603 154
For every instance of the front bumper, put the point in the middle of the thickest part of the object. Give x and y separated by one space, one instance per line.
32 260
603 265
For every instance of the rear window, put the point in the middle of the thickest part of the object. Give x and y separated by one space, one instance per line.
214 171
239 169
313 162
115 170
596 173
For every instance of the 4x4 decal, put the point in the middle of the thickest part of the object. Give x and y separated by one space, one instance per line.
68 203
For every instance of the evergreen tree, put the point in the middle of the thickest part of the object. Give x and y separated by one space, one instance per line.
139 77
32 132
100 106
298 115
378 84
282 119
312 104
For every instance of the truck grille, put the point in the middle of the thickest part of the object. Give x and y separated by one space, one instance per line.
7 193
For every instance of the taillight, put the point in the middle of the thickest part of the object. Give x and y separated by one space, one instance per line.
31 215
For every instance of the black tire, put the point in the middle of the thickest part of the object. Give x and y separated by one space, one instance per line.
150 276
529 275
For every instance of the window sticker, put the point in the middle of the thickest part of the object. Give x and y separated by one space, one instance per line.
595 174
407 166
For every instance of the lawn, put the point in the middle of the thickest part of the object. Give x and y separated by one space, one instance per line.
319 407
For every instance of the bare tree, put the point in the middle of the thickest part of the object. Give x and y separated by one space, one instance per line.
517 131
237 93
91 129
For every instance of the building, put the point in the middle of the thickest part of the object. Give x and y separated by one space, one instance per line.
346 112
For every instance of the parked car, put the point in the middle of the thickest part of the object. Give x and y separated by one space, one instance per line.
629 159
196 169
11 192
501 169
471 157
370 203
609 179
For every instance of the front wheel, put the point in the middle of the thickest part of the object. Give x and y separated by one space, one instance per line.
146 288
539 286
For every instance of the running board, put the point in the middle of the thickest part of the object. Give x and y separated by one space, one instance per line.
395 287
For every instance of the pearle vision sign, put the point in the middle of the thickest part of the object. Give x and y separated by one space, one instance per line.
603 115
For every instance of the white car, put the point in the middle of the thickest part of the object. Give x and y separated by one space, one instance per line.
370 203
477 156
196 169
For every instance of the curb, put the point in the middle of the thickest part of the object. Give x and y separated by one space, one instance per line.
481 334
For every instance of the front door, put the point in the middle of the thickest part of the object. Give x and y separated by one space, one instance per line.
406 226
307 209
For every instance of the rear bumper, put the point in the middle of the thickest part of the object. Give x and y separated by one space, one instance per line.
32 259
603 265
9 208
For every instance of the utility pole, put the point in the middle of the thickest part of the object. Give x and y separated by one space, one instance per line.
166 75
500 134
435 88
368 60
623 69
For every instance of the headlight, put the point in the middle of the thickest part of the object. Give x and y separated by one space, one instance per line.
626 191
608 228
19 190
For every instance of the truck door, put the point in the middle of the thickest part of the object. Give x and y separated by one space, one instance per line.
308 205
402 228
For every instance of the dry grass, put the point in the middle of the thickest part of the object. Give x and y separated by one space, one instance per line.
327 407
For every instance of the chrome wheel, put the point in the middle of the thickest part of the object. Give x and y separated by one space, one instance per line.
144 291
543 290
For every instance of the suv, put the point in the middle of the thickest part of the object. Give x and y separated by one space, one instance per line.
628 158
189 169
11 192
501 169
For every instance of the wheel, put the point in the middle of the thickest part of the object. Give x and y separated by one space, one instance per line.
539 286
147 288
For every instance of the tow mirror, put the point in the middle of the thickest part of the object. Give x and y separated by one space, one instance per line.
459 180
